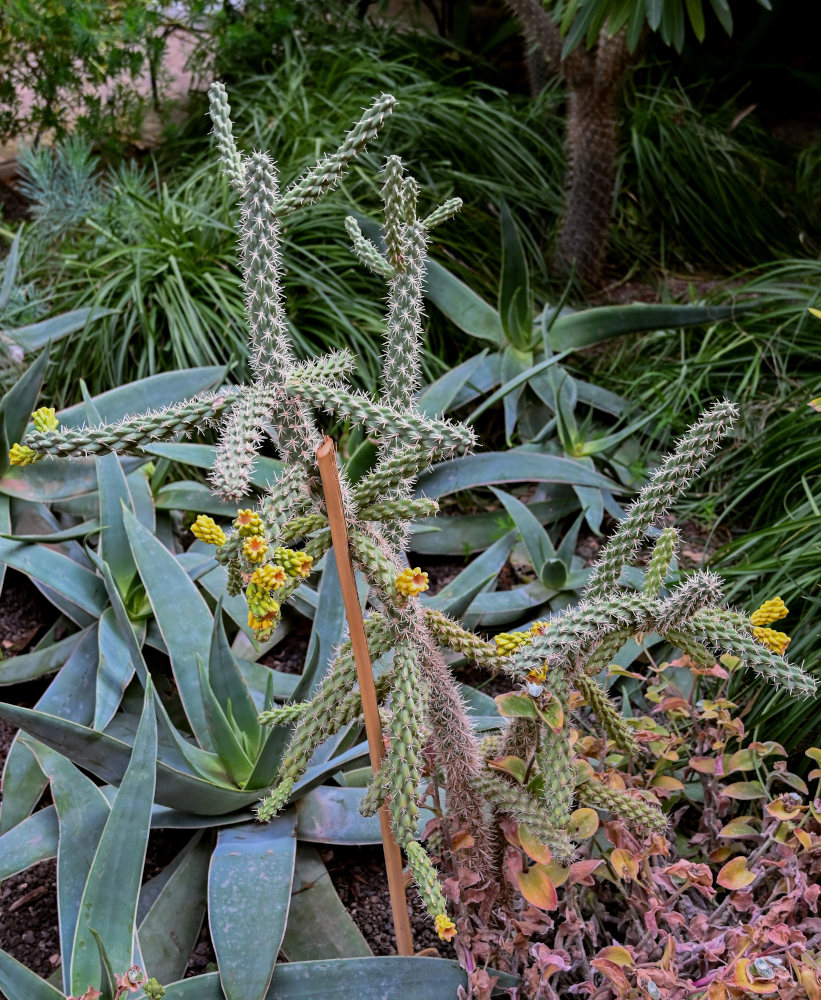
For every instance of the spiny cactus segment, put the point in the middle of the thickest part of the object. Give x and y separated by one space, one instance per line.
531 771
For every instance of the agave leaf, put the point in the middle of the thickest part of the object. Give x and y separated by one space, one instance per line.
594 326
82 812
29 842
187 633
141 498
71 581
10 269
223 736
169 930
83 531
536 540
49 482
70 694
455 597
17 406
467 533
249 886
29 666
214 582
515 304
109 902
318 926
462 305
114 495
115 669
330 815
107 757
188 495
5 528
228 684
438 397
503 606
18 981
497 467
162 389
513 364
33 336
382 978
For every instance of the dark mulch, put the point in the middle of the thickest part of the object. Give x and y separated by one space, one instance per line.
23 613
359 877
289 655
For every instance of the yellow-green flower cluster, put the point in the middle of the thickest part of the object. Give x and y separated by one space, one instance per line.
254 548
260 602
294 562
770 611
412 582
247 523
44 420
508 642
270 576
207 530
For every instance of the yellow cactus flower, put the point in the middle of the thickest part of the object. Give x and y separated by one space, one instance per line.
21 454
540 627
45 419
769 612
294 562
269 576
248 523
260 602
254 548
260 624
775 641
508 642
207 530
539 675
445 927
412 582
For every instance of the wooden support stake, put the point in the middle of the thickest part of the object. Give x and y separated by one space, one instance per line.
326 460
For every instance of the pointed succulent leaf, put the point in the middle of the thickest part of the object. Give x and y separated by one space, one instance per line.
249 886
31 841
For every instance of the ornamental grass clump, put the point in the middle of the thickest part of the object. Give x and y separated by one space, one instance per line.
532 772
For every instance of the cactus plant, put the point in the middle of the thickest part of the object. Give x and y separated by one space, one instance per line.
531 771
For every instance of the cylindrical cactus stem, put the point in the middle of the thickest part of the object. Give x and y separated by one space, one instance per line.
327 172
521 739
441 214
298 527
394 217
607 713
284 715
406 739
731 633
399 508
131 435
393 470
666 485
452 635
660 559
287 498
688 645
335 364
366 251
371 556
239 438
403 338
328 711
457 751
378 790
627 807
515 800
603 652
701 590
229 155
385 423
554 757
410 196
426 879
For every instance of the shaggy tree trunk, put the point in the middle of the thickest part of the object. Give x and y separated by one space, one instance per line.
593 79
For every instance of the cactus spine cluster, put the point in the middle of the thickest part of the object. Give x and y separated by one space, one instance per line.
269 550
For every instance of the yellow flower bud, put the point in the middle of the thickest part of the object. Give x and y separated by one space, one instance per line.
509 642
248 523
270 576
207 530
412 582
45 419
775 641
21 454
445 927
540 627
254 548
769 612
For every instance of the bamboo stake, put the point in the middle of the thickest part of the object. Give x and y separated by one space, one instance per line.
326 460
